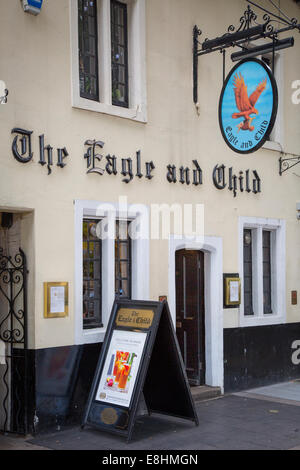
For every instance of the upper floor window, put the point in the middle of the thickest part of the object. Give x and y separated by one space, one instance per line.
88 49
108 57
119 53
275 138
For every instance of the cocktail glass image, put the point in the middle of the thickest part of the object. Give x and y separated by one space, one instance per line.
124 376
118 358
119 371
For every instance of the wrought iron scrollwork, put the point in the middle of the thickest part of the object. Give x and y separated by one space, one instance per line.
13 332
249 30
288 163
12 283
246 21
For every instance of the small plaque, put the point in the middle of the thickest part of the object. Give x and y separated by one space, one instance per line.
232 290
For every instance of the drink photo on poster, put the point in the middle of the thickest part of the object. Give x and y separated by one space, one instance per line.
121 367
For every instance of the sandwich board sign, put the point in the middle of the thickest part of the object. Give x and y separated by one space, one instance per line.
140 364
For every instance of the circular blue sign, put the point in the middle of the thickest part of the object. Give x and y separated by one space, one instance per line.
248 106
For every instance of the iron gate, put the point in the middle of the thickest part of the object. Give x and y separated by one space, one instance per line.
13 343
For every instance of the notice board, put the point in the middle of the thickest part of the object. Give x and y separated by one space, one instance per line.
140 361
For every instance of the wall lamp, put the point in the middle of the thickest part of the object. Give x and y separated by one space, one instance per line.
270 47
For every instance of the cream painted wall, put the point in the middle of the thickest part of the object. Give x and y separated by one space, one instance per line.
35 63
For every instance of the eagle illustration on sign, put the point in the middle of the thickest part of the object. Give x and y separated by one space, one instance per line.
246 119
246 104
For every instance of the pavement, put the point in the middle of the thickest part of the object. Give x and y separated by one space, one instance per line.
266 418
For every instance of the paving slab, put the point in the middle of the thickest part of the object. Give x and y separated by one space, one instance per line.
286 393
288 390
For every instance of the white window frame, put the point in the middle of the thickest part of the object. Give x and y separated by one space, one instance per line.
137 110
140 261
278 282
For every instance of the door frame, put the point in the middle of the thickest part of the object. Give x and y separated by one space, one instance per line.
213 291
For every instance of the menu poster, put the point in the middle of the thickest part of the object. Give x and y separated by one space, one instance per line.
56 302
57 299
121 367
234 287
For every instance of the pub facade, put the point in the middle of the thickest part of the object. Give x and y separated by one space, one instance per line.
117 182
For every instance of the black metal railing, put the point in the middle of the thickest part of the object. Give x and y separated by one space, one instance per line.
13 335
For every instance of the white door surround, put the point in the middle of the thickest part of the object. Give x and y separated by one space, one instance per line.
213 281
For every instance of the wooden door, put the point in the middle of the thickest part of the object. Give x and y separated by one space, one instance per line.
190 317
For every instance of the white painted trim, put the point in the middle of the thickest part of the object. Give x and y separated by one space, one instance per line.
278 255
140 261
137 110
213 267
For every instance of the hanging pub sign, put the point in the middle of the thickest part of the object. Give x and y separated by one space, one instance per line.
248 106
140 366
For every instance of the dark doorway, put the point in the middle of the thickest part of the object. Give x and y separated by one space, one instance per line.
190 316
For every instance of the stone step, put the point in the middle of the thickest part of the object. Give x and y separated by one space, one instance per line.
205 392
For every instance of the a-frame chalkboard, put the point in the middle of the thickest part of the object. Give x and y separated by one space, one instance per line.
140 360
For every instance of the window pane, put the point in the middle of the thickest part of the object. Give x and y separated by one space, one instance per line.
119 53
91 288
88 50
267 271
122 260
248 304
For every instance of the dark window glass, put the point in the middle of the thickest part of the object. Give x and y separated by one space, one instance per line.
119 54
248 304
88 49
267 271
92 279
122 260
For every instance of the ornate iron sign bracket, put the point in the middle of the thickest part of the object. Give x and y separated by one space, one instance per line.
288 163
248 31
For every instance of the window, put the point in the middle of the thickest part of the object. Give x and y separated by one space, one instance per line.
122 260
248 305
275 138
108 57
88 49
262 268
267 271
92 279
119 54
108 266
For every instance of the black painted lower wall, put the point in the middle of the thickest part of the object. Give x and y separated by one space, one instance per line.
60 378
59 382
259 356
